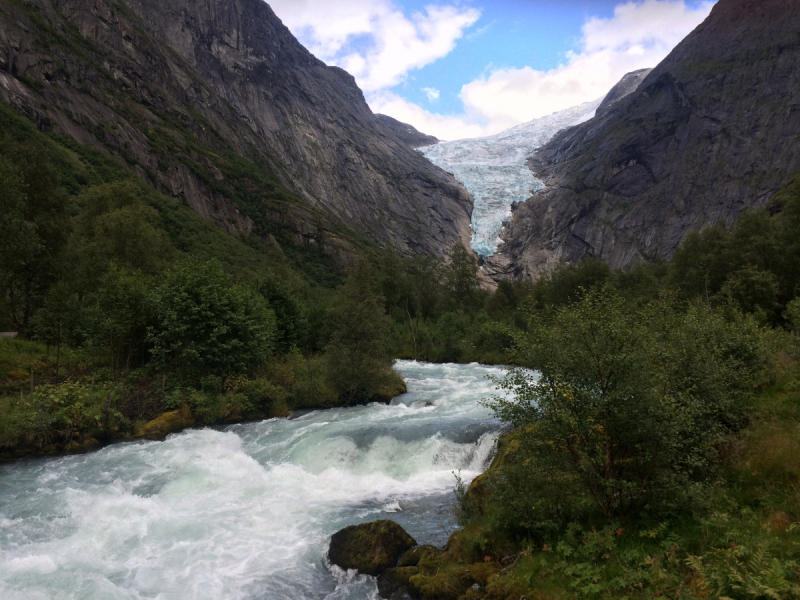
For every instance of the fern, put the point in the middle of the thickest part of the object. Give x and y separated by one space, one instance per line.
742 572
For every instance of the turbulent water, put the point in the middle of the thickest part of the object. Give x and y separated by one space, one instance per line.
495 172
245 511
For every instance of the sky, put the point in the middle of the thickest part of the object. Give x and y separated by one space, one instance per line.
470 68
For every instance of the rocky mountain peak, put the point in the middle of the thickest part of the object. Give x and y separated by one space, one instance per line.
711 131
189 92
626 86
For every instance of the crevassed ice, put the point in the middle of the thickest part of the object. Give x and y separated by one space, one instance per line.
493 169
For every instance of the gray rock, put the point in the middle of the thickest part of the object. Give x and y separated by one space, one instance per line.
406 133
370 548
179 89
626 86
712 130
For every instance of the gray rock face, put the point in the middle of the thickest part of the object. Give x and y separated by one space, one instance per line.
710 131
406 133
626 86
180 88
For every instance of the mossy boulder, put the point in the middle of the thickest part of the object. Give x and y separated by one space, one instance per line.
370 548
79 447
415 555
395 584
395 385
170 422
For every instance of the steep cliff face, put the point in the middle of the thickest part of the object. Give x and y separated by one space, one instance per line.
710 131
215 101
406 133
626 86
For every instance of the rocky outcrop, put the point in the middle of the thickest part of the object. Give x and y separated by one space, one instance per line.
217 103
626 86
406 133
712 130
170 422
370 548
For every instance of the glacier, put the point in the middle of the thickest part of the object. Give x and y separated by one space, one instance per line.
494 169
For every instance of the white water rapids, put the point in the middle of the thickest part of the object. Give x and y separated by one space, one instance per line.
245 511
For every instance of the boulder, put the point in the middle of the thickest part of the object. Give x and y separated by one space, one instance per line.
370 548
415 555
79 447
170 422
395 584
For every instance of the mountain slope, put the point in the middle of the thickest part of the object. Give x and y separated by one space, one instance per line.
217 103
710 131
405 132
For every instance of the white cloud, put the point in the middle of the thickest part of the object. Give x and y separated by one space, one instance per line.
639 35
432 94
443 127
380 46
372 39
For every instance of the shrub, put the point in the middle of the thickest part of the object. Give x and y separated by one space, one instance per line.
206 325
631 404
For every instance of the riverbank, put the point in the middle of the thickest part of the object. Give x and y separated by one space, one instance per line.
245 510
67 403
739 538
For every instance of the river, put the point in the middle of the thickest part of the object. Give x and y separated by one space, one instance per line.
245 511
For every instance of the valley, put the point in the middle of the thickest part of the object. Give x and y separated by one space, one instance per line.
246 310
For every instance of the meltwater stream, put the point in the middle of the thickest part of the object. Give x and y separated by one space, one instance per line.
245 511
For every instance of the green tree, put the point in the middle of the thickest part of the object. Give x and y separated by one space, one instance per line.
630 403
206 325
567 282
121 315
754 291
358 355
34 228
792 315
461 277
291 321
117 227
52 322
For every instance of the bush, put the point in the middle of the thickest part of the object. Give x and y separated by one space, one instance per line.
631 404
206 325
358 356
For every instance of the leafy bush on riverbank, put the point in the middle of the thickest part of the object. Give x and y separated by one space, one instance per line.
722 523
657 455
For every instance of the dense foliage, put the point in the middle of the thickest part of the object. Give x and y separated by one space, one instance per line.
627 409
655 452
655 408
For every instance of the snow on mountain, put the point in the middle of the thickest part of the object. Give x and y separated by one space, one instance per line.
494 169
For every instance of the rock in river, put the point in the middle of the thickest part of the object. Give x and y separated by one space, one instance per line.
370 548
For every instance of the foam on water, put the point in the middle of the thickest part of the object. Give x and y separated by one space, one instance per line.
247 511
495 172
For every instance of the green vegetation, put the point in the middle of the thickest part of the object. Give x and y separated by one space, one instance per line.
655 454
136 316
656 413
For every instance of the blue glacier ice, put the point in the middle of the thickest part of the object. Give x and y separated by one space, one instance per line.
493 169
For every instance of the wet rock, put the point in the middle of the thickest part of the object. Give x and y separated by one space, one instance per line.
415 555
79 447
370 548
395 387
170 422
395 584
